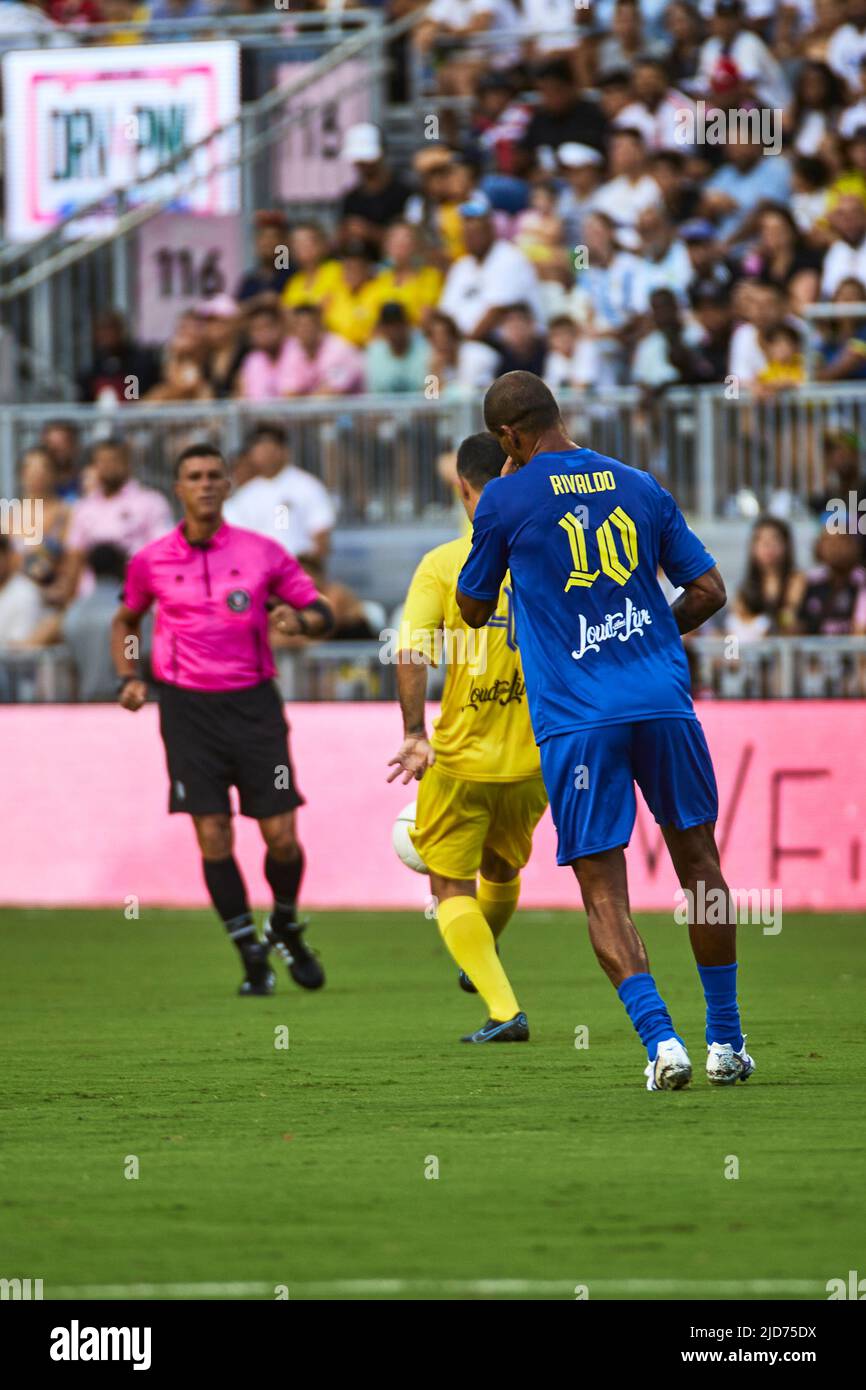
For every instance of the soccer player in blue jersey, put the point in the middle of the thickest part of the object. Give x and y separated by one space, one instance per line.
608 687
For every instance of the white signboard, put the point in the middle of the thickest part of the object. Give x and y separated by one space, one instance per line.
308 155
80 122
183 259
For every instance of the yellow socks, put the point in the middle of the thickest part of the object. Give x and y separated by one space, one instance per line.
498 902
469 939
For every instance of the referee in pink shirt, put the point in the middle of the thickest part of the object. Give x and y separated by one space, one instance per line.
221 716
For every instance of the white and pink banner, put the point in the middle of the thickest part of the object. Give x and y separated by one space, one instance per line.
85 823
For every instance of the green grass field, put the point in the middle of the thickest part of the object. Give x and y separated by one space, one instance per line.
305 1167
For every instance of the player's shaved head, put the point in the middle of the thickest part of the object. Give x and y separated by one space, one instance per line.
479 459
520 401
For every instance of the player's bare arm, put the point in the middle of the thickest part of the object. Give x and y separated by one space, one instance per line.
415 753
699 600
475 612
132 690
316 620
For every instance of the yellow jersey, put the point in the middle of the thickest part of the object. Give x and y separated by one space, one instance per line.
483 733
317 288
419 291
353 314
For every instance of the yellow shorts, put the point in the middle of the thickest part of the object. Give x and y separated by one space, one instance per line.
456 819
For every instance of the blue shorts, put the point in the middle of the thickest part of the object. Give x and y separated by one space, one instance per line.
590 776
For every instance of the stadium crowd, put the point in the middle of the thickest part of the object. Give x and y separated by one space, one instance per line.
647 194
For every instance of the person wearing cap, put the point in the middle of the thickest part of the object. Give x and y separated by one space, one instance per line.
317 272
407 278
223 342
582 168
265 280
379 196
397 357
492 275
709 268
736 62
352 310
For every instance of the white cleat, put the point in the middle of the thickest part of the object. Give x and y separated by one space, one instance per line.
725 1066
671 1070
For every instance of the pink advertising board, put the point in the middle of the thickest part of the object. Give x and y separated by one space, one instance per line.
84 817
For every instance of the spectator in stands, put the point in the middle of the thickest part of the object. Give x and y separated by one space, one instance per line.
737 189
658 109
21 606
664 258
785 367
680 192
768 599
845 478
41 555
86 621
265 282
459 366
119 370
670 354
625 42
853 118
842 349
352 309
396 359
847 45
62 440
316 272
763 309
184 368
499 123
571 356
581 168
519 345
810 182
818 99
450 21
560 116
781 257
834 597
262 372
433 210
683 23
379 195
606 296
709 267
224 343
614 94
319 363
120 511
737 64
282 500
490 276
711 310
407 278
846 257
630 189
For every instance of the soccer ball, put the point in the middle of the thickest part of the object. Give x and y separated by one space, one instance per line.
401 841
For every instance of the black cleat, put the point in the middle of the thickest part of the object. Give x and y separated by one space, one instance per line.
260 978
514 1029
304 965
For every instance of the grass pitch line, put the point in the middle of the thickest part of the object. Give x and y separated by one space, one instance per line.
363 1288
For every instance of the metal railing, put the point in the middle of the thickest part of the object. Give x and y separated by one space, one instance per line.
378 454
783 668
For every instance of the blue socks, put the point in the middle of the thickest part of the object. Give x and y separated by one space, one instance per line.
648 1012
723 1015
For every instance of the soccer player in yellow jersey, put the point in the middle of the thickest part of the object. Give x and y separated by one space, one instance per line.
481 793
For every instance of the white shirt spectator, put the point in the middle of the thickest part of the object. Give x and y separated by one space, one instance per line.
551 23
662 128
846 47
843 262
21 609
852 119
652 366
293 508
580 369
624 201
755 63
673 272
474 372
472 287
746 357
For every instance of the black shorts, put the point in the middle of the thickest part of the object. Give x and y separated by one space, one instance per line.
227 738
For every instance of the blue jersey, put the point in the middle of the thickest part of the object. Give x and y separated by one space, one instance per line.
584 537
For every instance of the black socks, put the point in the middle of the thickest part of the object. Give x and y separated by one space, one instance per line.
284 877
229 897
